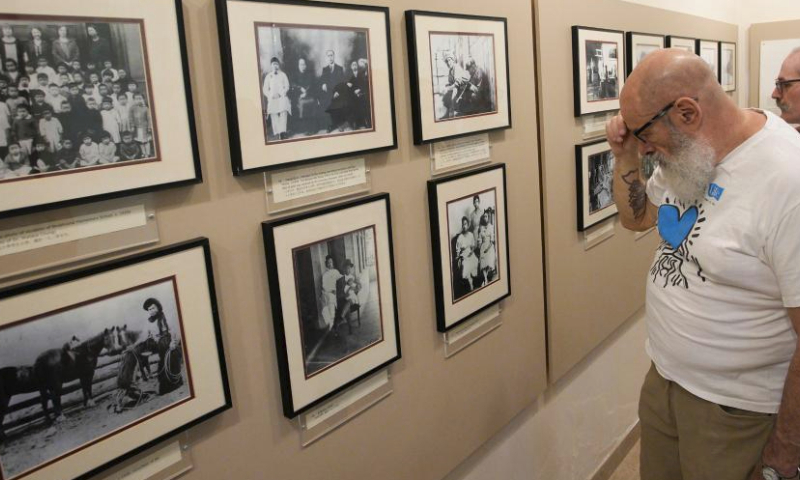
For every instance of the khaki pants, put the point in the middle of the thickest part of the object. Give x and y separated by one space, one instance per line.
687 438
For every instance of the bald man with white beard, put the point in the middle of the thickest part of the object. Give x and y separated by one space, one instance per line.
722 398
787 88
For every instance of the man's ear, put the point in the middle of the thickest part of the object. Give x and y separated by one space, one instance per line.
688 111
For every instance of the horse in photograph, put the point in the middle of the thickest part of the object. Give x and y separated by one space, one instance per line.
14 381
59 365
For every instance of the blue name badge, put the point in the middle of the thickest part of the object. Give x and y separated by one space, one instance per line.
715 191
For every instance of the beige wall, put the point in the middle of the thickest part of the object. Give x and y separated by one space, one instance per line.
441 410
589 293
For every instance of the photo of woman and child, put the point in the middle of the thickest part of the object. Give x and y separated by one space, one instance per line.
73 95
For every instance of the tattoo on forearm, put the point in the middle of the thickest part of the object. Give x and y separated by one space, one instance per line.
637 196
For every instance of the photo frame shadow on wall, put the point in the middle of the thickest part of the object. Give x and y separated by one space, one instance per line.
639 45
708 50
334 301
98 109
305 81
684 43
469 240
459 74
727 66
594 176
122 355
598 69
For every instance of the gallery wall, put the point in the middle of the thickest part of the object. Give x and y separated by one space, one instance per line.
589 292
440 409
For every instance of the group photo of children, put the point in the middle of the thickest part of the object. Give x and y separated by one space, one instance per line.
73 95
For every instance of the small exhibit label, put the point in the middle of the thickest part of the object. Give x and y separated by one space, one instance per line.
461 151
474 324
152 464
337 404
46 234
316 179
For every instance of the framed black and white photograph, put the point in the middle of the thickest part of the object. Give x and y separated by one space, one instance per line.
469 233
708 50
594 164
459 74
684 43
87 100
102 363
334 308
598 68
727 66
639 45
305 81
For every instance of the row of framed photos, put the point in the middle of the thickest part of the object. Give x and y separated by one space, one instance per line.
599 66
124 354
332 280
304 81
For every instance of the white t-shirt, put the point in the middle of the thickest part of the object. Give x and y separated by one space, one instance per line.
724 273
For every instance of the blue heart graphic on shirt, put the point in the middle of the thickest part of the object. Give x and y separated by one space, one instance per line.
674 227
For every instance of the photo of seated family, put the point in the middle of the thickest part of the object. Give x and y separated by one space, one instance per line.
315 82
74 96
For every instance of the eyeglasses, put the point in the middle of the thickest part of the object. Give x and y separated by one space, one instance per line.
638 132
779 84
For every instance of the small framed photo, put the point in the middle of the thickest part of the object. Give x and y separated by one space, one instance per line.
598 68
684 43
639 45
334 307
594 165
102 363
305 81
97 103
709 51
459 74
727 66
469 233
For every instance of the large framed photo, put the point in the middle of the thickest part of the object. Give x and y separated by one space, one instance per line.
331 279
305 81
727 66
469 233
96 102
102 363
684 43
598 69
594 165
639 45
459 74
708 50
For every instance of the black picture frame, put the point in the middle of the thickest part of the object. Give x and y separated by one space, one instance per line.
698 50
686 43
193 169
388 127
448 292
630 43
728 87
586 217
492 119
290 348
582 102
199 250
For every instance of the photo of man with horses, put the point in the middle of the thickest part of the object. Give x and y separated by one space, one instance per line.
463 75
81 373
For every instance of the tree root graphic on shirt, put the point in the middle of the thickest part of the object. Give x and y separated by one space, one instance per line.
670 266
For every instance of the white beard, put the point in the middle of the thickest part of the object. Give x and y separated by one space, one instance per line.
689 170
